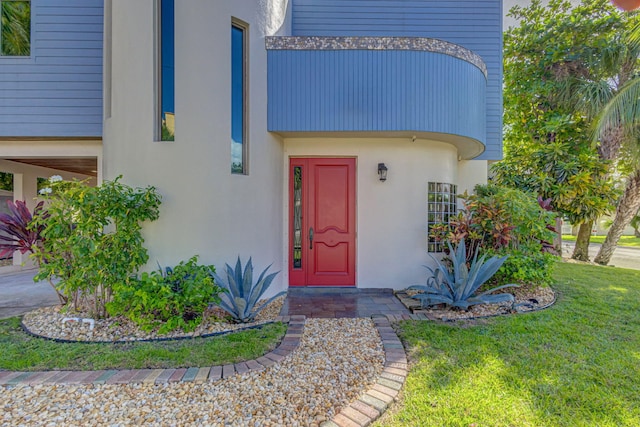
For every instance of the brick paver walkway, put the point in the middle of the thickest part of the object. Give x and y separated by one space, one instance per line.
342 302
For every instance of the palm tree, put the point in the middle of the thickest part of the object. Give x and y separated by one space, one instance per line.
635 224
622 112
15 23
600 76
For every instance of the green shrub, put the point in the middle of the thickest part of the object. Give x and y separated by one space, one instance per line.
505 221
92 238
524 268
169 299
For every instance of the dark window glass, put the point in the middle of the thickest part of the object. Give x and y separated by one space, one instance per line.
167 70
238 76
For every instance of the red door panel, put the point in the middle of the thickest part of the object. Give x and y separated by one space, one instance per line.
322 215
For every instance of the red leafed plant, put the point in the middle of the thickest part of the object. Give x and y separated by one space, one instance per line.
502 221
15 234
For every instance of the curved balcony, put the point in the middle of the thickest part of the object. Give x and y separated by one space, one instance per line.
377 85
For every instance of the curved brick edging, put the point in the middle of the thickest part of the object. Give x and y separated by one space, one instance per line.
27 331
372 404
289 343
377 399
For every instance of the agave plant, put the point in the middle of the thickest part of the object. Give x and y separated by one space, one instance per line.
16 235
241 295
457 287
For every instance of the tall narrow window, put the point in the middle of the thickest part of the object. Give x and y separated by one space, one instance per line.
238 97
297 217
167 71
15 28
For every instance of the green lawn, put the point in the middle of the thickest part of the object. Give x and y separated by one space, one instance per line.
624 240
22 352
575 364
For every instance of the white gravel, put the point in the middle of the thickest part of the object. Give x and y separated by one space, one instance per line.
534 298
338 359
48 322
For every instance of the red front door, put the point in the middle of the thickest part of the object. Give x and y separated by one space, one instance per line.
322 248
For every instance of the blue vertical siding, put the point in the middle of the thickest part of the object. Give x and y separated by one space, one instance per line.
474 24
57 91
375 90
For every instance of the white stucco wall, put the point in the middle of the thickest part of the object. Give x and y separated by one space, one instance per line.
391 215
471 173
210 212
206 210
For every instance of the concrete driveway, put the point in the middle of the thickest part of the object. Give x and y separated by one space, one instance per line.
624 256
20 294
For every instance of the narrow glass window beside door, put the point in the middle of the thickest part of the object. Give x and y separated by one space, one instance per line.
166 49
441 208
15 28
238 97
297 217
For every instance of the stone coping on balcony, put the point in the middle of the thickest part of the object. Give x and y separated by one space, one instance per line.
423 44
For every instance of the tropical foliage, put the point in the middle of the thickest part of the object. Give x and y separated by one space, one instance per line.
458 287
16 235
92 238
562 65
15 28
505 221
6 181
167 299
241 295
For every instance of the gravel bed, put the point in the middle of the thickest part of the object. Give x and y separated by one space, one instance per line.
532 298
338 359
48 322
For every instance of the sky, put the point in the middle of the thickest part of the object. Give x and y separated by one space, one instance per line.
508 4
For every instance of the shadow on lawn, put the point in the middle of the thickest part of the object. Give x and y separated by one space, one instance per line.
573 364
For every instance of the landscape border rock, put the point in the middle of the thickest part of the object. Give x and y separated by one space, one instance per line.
544 298
48 323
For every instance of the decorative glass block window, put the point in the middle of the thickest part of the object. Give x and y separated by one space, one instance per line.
15 28
441 207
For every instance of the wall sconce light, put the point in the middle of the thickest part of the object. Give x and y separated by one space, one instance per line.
382 172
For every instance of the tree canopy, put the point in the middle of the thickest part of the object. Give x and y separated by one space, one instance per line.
561 67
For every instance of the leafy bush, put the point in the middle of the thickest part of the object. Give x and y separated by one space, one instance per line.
92 238
458 287
240 295
524 267
168 299
505 221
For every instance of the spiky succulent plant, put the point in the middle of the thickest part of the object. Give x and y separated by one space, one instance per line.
457 287
240 294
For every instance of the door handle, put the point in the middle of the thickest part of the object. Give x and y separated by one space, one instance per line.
310 237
